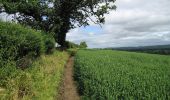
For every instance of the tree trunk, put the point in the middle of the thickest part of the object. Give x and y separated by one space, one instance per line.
64 14
61 37
61 34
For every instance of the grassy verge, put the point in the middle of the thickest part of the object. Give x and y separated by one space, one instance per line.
40 82
117 75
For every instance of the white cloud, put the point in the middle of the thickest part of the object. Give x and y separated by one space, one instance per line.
134 23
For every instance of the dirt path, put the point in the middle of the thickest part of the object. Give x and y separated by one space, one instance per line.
68 90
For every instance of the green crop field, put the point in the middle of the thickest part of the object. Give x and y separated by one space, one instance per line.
118 75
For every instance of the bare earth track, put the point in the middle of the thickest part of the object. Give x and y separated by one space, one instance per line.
68 90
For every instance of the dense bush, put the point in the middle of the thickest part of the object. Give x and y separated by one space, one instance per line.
17 42
49 43
69 45
83 44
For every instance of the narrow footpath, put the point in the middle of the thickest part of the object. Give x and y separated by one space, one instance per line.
68 90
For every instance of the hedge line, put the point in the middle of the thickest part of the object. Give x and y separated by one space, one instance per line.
18 43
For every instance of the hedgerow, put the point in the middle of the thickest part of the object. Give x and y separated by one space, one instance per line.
20 43
19 47
17 42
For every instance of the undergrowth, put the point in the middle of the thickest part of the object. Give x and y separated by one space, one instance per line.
40 81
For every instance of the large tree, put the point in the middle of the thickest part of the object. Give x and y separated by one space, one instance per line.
58 16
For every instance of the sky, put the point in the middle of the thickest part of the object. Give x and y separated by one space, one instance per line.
133 23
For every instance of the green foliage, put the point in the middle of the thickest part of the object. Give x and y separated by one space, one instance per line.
17 83
69 45
7 70
39 82
49 43
46 74
83 45
117 75
18 47
19 44
74 46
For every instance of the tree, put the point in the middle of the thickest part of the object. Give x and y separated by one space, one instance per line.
34 13
70 45
83 45
59 18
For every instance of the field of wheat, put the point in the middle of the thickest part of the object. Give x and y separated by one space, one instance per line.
117 75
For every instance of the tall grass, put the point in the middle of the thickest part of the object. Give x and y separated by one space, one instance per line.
40 82
116 75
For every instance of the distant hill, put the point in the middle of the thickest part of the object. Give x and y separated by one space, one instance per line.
156 49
